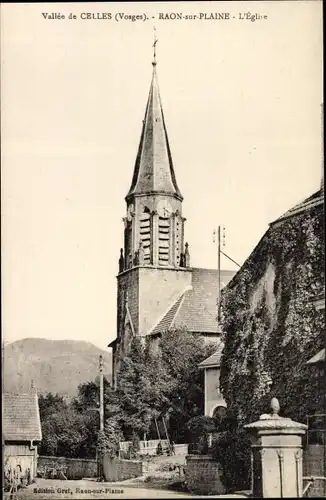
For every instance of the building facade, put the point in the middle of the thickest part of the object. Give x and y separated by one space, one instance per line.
157 287
21 433
271 326
214 401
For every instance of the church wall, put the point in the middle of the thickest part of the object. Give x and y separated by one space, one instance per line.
158 289
270 325
128 282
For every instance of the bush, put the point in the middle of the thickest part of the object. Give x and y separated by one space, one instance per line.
200 428
109 439
134 446
232 450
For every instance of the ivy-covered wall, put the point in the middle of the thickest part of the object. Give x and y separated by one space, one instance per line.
270 326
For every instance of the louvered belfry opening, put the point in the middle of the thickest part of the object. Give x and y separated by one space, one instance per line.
164 241
145 236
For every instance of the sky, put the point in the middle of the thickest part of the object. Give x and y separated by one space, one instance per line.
242 104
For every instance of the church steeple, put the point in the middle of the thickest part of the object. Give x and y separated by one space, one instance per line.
154 226
154 172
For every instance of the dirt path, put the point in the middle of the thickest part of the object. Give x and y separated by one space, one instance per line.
51 489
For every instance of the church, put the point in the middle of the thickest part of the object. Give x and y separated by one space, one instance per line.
157 288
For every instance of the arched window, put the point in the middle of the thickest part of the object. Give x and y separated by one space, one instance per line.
219 413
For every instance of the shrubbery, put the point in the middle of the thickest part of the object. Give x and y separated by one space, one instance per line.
200 428
232 450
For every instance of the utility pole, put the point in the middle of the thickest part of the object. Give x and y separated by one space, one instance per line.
218 269
219 253
219 272
99 457
101 394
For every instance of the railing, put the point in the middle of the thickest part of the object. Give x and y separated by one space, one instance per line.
311 480
143 445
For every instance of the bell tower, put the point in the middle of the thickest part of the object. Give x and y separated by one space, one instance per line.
154 263
154 226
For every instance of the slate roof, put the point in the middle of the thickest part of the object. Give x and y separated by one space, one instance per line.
21 417
214 360
307 204
318 358
154 170
196 309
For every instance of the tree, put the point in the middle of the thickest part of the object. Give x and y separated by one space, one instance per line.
181 353
88 396
166 383
71 428
150 386
65 434
51 403
109 438
142 389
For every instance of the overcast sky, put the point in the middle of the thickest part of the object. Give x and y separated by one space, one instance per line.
242 107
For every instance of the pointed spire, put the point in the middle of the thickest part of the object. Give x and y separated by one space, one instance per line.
154 172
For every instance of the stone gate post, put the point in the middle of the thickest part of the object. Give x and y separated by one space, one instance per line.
276 458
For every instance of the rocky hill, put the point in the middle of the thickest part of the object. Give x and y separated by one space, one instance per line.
56 366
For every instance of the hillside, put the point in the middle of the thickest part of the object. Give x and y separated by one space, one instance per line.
56 366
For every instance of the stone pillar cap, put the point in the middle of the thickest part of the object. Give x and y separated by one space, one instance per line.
273 421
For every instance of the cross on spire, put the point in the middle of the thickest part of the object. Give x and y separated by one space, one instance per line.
154 47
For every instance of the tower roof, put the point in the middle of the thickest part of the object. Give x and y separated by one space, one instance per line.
154 171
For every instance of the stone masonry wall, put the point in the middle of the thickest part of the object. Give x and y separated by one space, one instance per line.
203 475
78 468
129 468
120 470
158 289
128 281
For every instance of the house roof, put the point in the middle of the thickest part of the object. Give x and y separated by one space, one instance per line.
307 204
214 360
21 417
318 358
196 309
